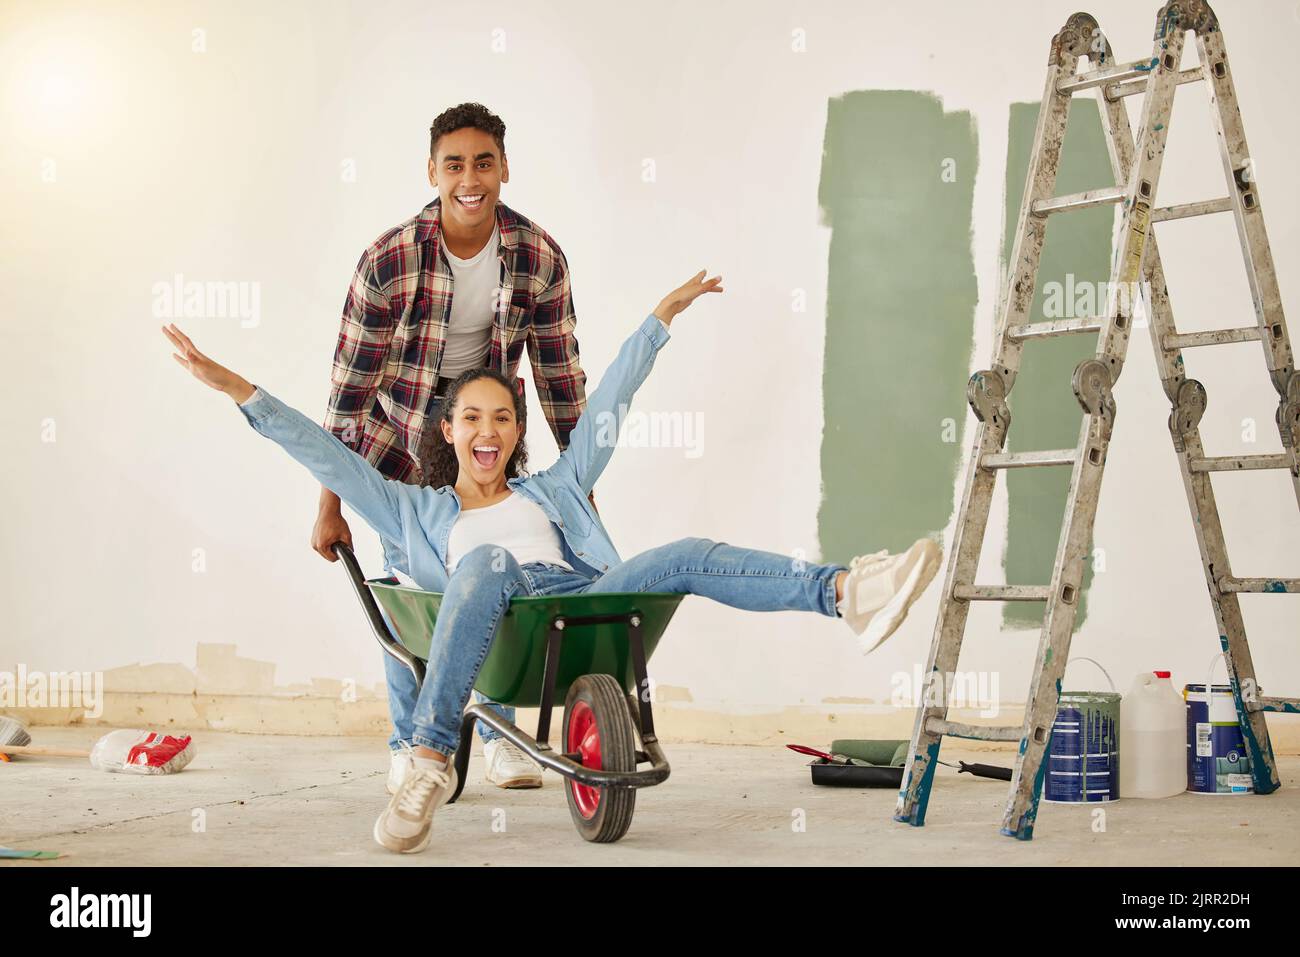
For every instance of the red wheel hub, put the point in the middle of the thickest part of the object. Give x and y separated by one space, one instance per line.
584 738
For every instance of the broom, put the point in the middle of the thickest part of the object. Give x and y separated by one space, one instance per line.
128 750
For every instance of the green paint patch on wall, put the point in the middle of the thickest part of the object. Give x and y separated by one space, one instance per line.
1075 266
897 189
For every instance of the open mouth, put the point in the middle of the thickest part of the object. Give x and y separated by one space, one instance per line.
472 202
486 455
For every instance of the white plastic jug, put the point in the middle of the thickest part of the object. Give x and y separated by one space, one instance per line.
1153 727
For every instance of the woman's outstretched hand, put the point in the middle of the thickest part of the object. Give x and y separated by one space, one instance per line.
685 294
210 373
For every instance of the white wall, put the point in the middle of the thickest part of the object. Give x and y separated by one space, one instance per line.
225 165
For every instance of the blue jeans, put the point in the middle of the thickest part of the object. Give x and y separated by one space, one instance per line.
403 691
488 576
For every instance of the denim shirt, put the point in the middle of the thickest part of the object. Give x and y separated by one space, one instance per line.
419 519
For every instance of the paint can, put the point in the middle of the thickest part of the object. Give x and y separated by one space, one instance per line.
1083 754
1217 762
1083 758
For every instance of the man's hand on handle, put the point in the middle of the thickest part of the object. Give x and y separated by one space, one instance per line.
330 527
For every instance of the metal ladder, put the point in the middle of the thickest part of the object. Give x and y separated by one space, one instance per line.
1137 170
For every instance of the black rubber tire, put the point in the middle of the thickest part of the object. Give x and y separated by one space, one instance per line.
603 695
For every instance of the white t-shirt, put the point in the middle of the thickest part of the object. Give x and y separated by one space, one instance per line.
516 524
469 329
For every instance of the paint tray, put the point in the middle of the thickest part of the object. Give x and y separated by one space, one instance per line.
855 775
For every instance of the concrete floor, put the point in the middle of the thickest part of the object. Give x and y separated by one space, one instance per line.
276 800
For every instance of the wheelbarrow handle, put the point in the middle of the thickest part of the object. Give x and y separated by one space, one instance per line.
377 623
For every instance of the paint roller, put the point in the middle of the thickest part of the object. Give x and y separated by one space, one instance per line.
128 750
891 754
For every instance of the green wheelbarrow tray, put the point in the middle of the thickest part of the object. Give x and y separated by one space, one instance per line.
514 671
587 651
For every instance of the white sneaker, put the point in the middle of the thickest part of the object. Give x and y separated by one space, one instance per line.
406 824
881 587
509 767
399 766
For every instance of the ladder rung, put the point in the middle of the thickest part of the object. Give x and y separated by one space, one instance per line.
1112 74
1262 586
1129 87
977 732
1085 200
1022 460
1002 592
1262 703
1183 210
1217 337
1240 463
1054 327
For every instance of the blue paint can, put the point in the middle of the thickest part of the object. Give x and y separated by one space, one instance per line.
1217 762
1083 755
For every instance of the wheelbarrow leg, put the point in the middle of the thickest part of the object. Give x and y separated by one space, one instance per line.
462 754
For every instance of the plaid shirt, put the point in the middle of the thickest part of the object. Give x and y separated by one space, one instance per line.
394 330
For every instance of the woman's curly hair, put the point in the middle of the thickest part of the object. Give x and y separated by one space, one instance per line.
438 456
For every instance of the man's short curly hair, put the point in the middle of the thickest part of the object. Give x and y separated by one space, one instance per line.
474 115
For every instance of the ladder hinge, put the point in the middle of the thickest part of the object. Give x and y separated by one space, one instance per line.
1092 387
1186 414
987 394
1288 412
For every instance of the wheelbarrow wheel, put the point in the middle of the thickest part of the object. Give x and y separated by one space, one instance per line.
598 728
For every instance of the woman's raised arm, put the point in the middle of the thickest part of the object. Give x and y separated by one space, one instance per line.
379 501
592 441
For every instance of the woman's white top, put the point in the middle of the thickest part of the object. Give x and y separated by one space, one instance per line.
516 524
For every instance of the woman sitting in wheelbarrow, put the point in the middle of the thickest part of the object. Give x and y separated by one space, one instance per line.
482 532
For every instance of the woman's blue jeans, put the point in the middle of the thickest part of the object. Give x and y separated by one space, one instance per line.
402 689
479 592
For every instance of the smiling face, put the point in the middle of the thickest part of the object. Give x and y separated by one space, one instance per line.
468 171
484 431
